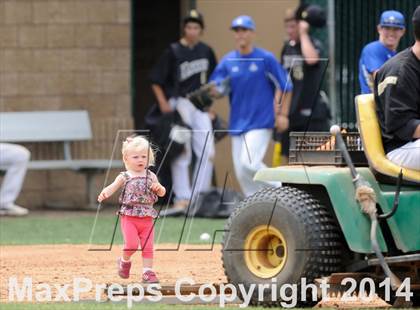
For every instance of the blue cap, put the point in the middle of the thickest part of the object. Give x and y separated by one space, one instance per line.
392 19
243 21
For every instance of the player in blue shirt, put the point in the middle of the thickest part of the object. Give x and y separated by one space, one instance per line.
391 28
257 81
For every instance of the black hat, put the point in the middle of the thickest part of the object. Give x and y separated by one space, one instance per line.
313 14
416 16
194 16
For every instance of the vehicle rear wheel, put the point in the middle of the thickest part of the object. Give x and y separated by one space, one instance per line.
282 233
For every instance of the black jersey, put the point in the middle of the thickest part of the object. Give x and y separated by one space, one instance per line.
181 69
306 80
397 96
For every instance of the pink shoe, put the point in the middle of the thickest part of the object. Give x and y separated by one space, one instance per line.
150 277
124 269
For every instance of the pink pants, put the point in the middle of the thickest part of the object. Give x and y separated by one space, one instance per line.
135 229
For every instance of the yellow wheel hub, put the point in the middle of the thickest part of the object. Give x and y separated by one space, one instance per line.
265 251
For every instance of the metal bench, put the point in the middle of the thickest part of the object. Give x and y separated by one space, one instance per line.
65 127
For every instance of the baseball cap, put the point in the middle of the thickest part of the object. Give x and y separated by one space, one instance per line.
313 14
416 15
392 19
194 16
243 21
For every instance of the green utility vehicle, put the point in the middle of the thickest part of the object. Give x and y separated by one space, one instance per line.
330 221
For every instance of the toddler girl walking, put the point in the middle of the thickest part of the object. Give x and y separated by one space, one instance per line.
141 189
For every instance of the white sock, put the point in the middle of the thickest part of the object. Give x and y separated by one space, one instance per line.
146 269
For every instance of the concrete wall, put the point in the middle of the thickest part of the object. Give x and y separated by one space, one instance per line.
64 55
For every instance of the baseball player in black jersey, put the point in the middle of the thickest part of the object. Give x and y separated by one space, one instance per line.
397 96
300 56
184 67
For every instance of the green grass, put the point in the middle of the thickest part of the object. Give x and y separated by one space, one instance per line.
76 228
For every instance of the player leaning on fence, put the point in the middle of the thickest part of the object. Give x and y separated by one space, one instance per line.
397 96
391 28
301 57
256 77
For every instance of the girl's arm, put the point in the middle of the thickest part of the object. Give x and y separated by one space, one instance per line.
161 190
112 188
156 187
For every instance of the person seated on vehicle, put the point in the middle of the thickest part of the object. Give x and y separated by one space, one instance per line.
397 96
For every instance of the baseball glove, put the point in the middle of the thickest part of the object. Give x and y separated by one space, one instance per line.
202 98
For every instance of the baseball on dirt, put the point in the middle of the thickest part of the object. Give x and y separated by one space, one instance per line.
204 236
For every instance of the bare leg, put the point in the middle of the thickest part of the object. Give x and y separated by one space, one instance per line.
147 263
126 256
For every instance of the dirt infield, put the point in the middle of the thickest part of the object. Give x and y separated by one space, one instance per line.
59 264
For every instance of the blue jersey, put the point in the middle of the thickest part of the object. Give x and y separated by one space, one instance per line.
253 80
373 56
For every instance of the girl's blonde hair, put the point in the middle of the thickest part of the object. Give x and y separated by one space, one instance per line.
139 143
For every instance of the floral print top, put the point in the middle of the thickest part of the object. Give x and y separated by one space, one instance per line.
136 198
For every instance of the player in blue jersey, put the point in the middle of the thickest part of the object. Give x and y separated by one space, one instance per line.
391 28
257 82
